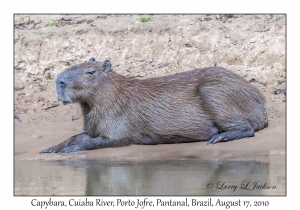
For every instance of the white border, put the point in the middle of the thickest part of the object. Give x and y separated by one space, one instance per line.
8 201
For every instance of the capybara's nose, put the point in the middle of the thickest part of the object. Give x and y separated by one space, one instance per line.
61 83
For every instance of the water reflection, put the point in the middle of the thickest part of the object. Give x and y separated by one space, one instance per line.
95 177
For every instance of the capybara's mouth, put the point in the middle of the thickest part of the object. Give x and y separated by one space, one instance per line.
63 101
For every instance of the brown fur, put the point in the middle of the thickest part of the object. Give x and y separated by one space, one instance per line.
190 106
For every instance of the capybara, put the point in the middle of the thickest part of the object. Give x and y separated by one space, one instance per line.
209 104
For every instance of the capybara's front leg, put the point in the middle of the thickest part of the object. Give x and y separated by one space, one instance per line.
82 142
95 143
74 140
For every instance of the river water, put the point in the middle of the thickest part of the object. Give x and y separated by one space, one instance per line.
264 176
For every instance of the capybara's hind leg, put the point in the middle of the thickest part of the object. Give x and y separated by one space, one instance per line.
235 132
227 109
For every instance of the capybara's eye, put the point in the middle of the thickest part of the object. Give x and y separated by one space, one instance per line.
90 72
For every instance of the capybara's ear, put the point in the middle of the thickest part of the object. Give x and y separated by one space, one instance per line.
92 59
106 65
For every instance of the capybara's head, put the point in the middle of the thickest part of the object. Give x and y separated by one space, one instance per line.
78 83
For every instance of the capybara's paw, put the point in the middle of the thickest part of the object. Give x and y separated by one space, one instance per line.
53 149
217 138
73 148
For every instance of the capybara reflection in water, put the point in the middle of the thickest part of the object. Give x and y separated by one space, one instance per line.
210 104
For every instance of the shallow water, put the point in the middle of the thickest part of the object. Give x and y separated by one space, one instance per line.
180 177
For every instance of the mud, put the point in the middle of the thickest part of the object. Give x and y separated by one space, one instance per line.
252 46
